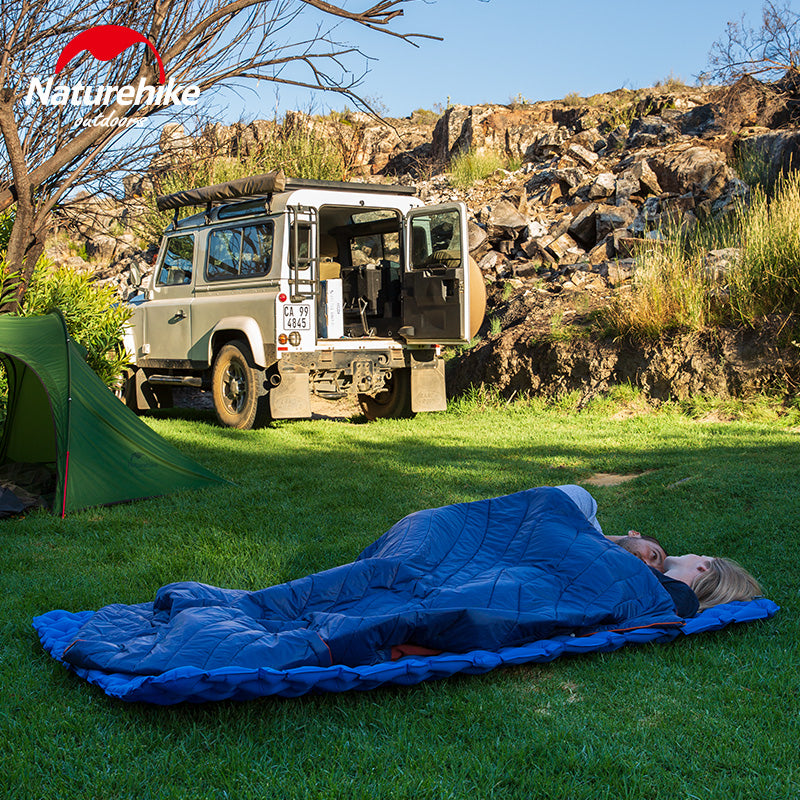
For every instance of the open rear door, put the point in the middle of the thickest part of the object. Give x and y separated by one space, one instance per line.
436 275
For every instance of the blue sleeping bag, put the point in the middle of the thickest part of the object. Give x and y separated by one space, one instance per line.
489 576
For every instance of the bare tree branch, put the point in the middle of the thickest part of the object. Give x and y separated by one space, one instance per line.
376 18
768 51
52 147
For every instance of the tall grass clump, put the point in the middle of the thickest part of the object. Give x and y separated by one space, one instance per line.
674 288
467 168
670 291
300 150
672 83
754 165
767 279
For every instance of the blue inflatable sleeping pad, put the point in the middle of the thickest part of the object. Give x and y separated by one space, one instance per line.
515 579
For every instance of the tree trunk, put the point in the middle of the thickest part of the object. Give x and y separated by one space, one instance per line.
25 247
26 242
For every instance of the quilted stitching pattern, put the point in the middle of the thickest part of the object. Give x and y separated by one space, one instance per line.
482 579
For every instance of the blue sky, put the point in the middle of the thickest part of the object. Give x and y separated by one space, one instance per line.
494 51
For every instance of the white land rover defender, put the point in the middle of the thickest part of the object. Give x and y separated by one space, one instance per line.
282 287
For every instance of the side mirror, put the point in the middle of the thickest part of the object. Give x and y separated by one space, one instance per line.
135 275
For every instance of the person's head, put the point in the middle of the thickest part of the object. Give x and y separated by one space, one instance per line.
646 548
713 580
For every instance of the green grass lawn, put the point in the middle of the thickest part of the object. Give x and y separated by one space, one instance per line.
708 716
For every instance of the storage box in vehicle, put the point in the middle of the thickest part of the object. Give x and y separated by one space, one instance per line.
330 319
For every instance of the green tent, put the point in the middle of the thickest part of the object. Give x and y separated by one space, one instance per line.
61 414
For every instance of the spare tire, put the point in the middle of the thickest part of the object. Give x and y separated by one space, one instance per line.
393 401
477 298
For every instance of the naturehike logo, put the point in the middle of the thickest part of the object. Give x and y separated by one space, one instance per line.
105 42
140 464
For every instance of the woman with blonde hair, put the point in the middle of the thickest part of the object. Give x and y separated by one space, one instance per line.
713 580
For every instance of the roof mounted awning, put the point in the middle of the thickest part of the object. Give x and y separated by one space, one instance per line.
267 184
253 186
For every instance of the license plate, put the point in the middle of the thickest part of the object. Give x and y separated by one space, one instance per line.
297 318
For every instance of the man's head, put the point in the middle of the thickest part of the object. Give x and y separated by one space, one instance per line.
646 548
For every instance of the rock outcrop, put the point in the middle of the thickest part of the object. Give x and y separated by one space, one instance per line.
723 364
592 181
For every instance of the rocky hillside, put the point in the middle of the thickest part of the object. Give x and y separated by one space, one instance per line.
592 179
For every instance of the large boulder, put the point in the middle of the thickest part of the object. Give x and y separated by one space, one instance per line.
706 120
454 132
478 240
687 167
603 186
650 131
502 220
105 247
536 142
610 218
583 227
774 152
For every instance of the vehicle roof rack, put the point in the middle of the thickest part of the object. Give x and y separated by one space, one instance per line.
265 186
349 186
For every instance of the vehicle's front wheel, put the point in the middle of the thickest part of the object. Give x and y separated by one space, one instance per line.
393 401
238 387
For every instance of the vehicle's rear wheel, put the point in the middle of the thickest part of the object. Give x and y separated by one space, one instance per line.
241 399
393 401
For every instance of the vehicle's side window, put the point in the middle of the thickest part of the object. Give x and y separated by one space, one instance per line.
239 252
176 268
375 247
391 246
436 240
366 249
256 250
223 254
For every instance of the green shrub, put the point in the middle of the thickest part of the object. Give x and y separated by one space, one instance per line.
424 116
6 224
573 100
92 313
9 281
93 316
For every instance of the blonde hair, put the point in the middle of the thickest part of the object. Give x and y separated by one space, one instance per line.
724 582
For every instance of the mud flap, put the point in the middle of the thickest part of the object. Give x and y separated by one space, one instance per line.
291 398
428 391
139 395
